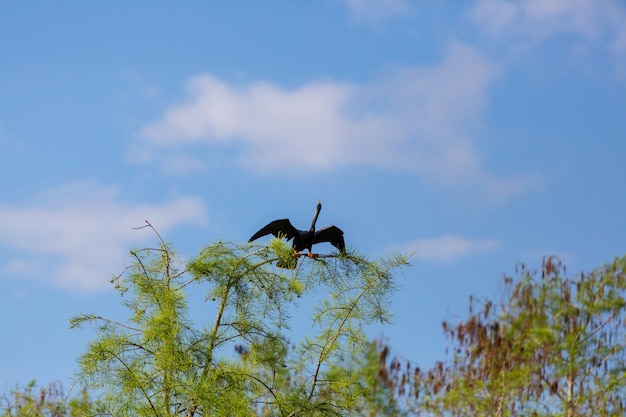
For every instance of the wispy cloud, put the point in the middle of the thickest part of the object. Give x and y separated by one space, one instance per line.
420 119
80 234
536 20
448 248
369 11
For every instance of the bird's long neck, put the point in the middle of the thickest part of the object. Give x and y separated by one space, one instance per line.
317 213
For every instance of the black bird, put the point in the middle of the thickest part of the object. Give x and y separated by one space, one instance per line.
304 239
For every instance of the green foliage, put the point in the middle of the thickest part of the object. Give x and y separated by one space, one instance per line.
241 360
47 401
554 346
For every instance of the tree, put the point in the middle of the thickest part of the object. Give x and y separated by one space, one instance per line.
160 362
553 346
49 401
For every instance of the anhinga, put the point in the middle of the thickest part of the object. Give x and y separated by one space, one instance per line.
304 239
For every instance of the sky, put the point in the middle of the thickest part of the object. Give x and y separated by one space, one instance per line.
475 135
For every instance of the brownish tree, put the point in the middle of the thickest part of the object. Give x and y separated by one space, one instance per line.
553 345
48 401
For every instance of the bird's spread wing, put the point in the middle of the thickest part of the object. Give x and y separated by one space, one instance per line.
279 228
331 234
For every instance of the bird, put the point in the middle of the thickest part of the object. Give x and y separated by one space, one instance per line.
304 239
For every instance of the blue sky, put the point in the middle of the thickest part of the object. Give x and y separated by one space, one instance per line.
478 134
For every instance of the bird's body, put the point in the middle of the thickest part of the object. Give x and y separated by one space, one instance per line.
303 239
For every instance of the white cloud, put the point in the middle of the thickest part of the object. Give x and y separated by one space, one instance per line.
448 248
420 119
276 127
368 11
84 233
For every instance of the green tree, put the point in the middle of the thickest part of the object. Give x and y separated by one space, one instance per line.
553 346
240 360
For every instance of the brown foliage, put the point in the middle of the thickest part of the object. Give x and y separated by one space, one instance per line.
552 345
